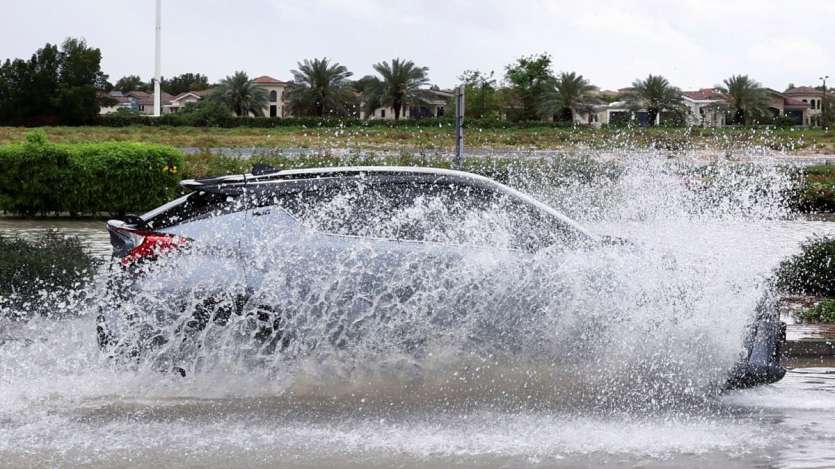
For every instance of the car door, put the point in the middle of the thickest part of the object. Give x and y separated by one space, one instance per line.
330 259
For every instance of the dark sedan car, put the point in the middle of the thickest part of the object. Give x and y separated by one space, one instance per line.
399 214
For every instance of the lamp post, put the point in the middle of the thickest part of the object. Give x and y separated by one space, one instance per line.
458 161
157 34
824 107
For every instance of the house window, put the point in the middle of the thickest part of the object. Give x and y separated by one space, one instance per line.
383 113
273 96
812 102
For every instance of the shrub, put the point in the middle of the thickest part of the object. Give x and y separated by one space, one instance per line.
40 178
45 275
812 271
784 122
822 312
818 190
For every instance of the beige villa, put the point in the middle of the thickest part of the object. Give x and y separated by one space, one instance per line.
276 95
706 107
811 96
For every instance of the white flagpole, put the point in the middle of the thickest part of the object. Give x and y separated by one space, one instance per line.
157 34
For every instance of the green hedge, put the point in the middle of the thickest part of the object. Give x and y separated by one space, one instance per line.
812 271
818 190
39 178
821 312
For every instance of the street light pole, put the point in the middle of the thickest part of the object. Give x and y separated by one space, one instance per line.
824 107
459 128
157 78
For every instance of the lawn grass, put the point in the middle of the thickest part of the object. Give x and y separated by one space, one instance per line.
435 138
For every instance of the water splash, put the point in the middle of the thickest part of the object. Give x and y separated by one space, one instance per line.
556 340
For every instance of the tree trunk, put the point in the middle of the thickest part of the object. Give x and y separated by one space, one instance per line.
396 105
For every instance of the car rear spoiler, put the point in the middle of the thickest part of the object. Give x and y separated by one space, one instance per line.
230 185
227 184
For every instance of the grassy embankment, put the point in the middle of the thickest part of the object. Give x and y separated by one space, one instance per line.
433 138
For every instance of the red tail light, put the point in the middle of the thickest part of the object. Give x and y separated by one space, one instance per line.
152 245
131 244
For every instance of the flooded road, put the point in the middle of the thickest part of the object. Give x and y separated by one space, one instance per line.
83 413
92 233
63 404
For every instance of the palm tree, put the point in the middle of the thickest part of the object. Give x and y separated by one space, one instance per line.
746 97
242 95
569 95
319 87
369 88
656 95
400 83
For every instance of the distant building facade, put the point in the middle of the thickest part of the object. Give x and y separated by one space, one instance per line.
811 96
433 104
276 95
706 107
784 106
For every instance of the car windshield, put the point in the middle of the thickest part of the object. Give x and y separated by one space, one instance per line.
441 212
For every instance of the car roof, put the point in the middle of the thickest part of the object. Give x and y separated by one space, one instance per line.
312 173
223 183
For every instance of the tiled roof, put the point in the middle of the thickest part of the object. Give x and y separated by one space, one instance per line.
184 94
268 80
793 102
704 94
803 90
147 99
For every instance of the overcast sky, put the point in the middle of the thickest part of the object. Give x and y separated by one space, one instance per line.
694 43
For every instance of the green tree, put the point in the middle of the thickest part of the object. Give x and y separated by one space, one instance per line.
53 85
529 78
570 94
209 112
242 95
129 83
656 95
38 95
400 84
747 99
368 88
15 85
480 93
80 78
319 88
185 82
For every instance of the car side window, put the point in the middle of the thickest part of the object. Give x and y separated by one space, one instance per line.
440 211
